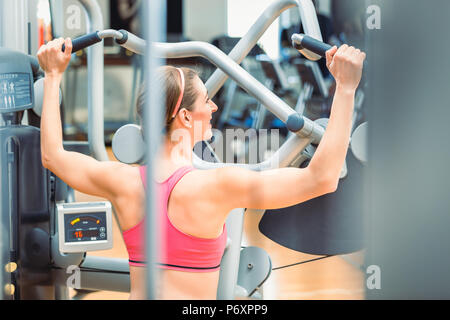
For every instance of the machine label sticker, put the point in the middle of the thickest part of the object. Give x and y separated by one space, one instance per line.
15 90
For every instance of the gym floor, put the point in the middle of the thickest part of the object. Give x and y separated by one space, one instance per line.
331 278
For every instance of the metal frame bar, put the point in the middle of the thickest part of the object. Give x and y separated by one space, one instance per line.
15 17
272 102
95 68
283 157
99 273
2 28
153 121
4 232
247 42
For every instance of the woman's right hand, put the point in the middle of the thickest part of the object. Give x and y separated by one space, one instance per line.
51 59
345 64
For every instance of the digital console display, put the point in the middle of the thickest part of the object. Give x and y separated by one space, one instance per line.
85 227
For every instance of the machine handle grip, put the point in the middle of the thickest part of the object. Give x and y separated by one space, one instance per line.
84 41
301 41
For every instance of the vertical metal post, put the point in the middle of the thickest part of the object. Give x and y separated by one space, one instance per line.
14 27
4 232
33 27
95 63
1 22
2 236
229 266
154 22
406 190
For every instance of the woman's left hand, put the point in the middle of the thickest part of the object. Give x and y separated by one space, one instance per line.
51 58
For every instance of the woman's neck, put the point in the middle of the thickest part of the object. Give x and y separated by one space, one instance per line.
179 153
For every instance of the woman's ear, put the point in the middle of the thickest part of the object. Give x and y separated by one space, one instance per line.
186 117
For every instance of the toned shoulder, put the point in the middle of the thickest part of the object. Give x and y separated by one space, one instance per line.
200 182
224 185
129 199
198 179
127 178
209 200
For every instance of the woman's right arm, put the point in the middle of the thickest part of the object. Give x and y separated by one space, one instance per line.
285 187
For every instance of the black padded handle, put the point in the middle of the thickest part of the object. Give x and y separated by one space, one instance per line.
84 41
301 41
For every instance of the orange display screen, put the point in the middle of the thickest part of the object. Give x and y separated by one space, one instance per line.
85 233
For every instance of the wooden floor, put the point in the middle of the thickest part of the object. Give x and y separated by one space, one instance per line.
331 278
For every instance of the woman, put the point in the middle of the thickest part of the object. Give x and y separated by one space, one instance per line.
194 204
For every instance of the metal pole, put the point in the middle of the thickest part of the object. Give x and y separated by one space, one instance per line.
271 101
247 42
196 48
4 229
154 31
3 235
14 27
95 65
1 24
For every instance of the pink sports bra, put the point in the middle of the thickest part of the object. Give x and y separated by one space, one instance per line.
178 250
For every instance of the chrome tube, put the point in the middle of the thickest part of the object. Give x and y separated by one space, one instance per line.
249 40
153 122
236 72
271 101
110 33
95 65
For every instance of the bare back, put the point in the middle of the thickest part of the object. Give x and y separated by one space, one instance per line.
193 217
